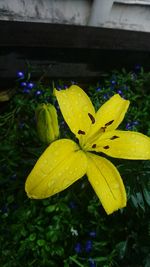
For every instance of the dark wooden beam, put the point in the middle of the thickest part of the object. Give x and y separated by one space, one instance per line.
68 52
31 34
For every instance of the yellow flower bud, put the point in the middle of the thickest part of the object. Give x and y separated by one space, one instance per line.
47 123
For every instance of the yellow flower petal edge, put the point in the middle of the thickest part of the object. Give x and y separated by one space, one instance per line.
109 115
106 182
76 106
60 165
124 144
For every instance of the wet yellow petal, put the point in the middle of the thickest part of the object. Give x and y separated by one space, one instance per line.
107 183
124 144
60 165
109 115
76 106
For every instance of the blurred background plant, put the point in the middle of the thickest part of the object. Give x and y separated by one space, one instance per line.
71 228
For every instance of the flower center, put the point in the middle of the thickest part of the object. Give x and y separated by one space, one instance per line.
89 142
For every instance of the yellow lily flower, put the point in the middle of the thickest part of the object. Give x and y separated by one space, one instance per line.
64 161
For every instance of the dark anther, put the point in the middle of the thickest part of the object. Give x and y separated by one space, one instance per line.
94 146
114 137
91 117
106 147
109 123
81 132
103 129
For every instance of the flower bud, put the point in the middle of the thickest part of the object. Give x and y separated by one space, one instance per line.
47 123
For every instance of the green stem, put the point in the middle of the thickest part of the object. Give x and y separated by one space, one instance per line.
76 261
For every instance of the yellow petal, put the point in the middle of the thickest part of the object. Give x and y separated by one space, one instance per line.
76 106
107 183
60 165
109 116
124 144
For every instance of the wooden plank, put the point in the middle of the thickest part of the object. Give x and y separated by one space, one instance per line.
29 34
68 52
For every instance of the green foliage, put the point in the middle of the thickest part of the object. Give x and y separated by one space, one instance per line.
71 228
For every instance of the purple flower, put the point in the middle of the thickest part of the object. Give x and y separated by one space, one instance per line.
65 86
98 89
20 74
113 82
23 84
130 125
78 248
30 85
105 96
38 92
135 122
88 246
119 92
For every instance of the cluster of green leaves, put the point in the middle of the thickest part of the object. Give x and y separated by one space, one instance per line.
56 231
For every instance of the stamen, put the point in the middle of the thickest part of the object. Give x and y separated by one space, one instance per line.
91 118
109 123
114 137
106 147
81 132
94 146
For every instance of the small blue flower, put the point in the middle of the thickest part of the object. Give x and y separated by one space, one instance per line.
92 234
135 123
98 89
105 96
38 92
88 246
113 82
30 85
65 86
23 84
119 92
92 263
20 74
78 248
130 125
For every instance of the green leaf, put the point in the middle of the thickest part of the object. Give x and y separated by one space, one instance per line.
50 208
41 242
146 194
32 237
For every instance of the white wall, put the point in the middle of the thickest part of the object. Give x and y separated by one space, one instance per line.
130 15
120 14
52 11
